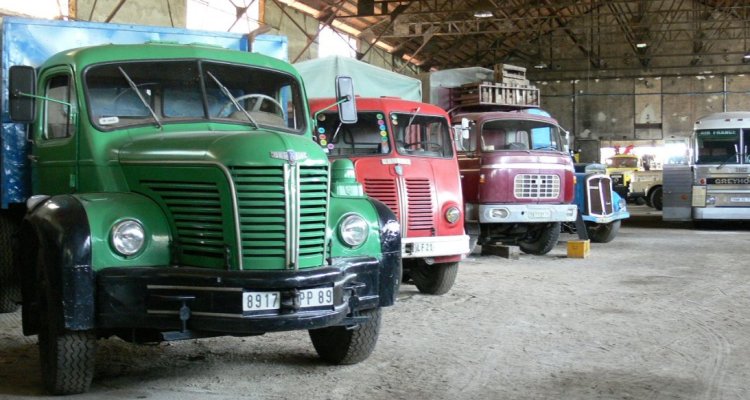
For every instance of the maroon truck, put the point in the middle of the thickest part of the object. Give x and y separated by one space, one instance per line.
518 181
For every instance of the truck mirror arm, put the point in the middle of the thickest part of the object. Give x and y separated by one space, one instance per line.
340 100
18 93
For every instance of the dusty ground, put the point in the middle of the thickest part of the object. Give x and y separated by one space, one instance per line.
663 312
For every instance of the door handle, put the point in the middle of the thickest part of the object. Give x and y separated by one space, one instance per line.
33 158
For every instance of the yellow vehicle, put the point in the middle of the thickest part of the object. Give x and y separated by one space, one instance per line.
620 168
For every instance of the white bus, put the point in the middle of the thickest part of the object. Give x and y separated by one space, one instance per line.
715 185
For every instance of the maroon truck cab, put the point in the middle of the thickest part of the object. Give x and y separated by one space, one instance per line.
404 155
518 182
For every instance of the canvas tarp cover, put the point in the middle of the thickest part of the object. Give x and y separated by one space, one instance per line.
369 81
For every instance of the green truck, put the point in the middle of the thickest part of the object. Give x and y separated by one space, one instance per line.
176 193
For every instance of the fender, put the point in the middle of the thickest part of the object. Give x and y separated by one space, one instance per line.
73 236
60 228
390 246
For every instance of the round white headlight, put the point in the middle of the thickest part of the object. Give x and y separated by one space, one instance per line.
128 237
452 214
353 230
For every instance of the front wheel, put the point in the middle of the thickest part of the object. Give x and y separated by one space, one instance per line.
343 345
655 198
67 357
541 240
435 279
603 233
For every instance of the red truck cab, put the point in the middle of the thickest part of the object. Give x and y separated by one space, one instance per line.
518 182
404 155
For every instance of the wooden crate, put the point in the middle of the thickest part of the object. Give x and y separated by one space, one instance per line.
494 93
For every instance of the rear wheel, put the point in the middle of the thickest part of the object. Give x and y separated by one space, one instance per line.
603 233
541 240
67 357
343 345
435 279
10 288
655 198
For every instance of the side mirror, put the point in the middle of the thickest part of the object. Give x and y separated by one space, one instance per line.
22 86
465 124
345 97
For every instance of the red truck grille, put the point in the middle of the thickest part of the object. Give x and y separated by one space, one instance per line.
536 186
419 193
385 191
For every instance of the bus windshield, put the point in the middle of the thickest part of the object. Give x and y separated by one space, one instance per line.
722 146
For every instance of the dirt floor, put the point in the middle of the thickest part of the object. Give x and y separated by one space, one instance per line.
662 312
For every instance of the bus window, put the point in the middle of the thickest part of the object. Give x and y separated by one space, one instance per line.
716 146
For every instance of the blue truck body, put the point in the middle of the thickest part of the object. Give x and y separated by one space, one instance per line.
32 41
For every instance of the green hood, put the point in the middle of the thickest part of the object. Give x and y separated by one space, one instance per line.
240 149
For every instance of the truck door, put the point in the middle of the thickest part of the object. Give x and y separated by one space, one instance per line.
54 153
469 164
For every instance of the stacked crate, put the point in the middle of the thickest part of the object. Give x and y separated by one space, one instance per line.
511 88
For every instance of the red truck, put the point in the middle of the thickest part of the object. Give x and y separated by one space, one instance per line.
518 182
403 153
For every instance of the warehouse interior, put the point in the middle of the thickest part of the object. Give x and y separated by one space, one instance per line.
660 312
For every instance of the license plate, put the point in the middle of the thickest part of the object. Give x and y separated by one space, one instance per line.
740 199
537 214
264 301
422 248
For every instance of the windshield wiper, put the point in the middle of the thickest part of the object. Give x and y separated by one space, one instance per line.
729 158
231 98
548 147
411 119
134 87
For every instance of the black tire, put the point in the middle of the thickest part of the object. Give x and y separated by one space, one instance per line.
435 279
541 240
655 198
603 233
67 358
341 345
10 286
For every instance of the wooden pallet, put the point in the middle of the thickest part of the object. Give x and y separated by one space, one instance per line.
494 93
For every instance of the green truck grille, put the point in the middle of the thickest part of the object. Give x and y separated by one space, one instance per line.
282 215
196 215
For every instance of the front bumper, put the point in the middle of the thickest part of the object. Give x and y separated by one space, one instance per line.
606 219
721 213
203 300
434 246
527 213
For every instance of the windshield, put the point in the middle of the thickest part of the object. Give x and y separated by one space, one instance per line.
368 136
722 146
422 135
520 135
622 162
162 92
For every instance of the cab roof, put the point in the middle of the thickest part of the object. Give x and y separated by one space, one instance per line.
85 56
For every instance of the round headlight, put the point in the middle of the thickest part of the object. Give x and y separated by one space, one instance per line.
128 237
353 230
452 214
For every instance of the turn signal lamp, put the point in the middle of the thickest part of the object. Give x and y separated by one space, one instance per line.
481 178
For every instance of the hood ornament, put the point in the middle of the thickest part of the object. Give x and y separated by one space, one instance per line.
291 156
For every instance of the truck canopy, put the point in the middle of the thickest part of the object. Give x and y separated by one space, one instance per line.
369 80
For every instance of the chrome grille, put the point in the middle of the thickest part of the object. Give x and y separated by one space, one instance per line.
536 186
419 195
599 195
